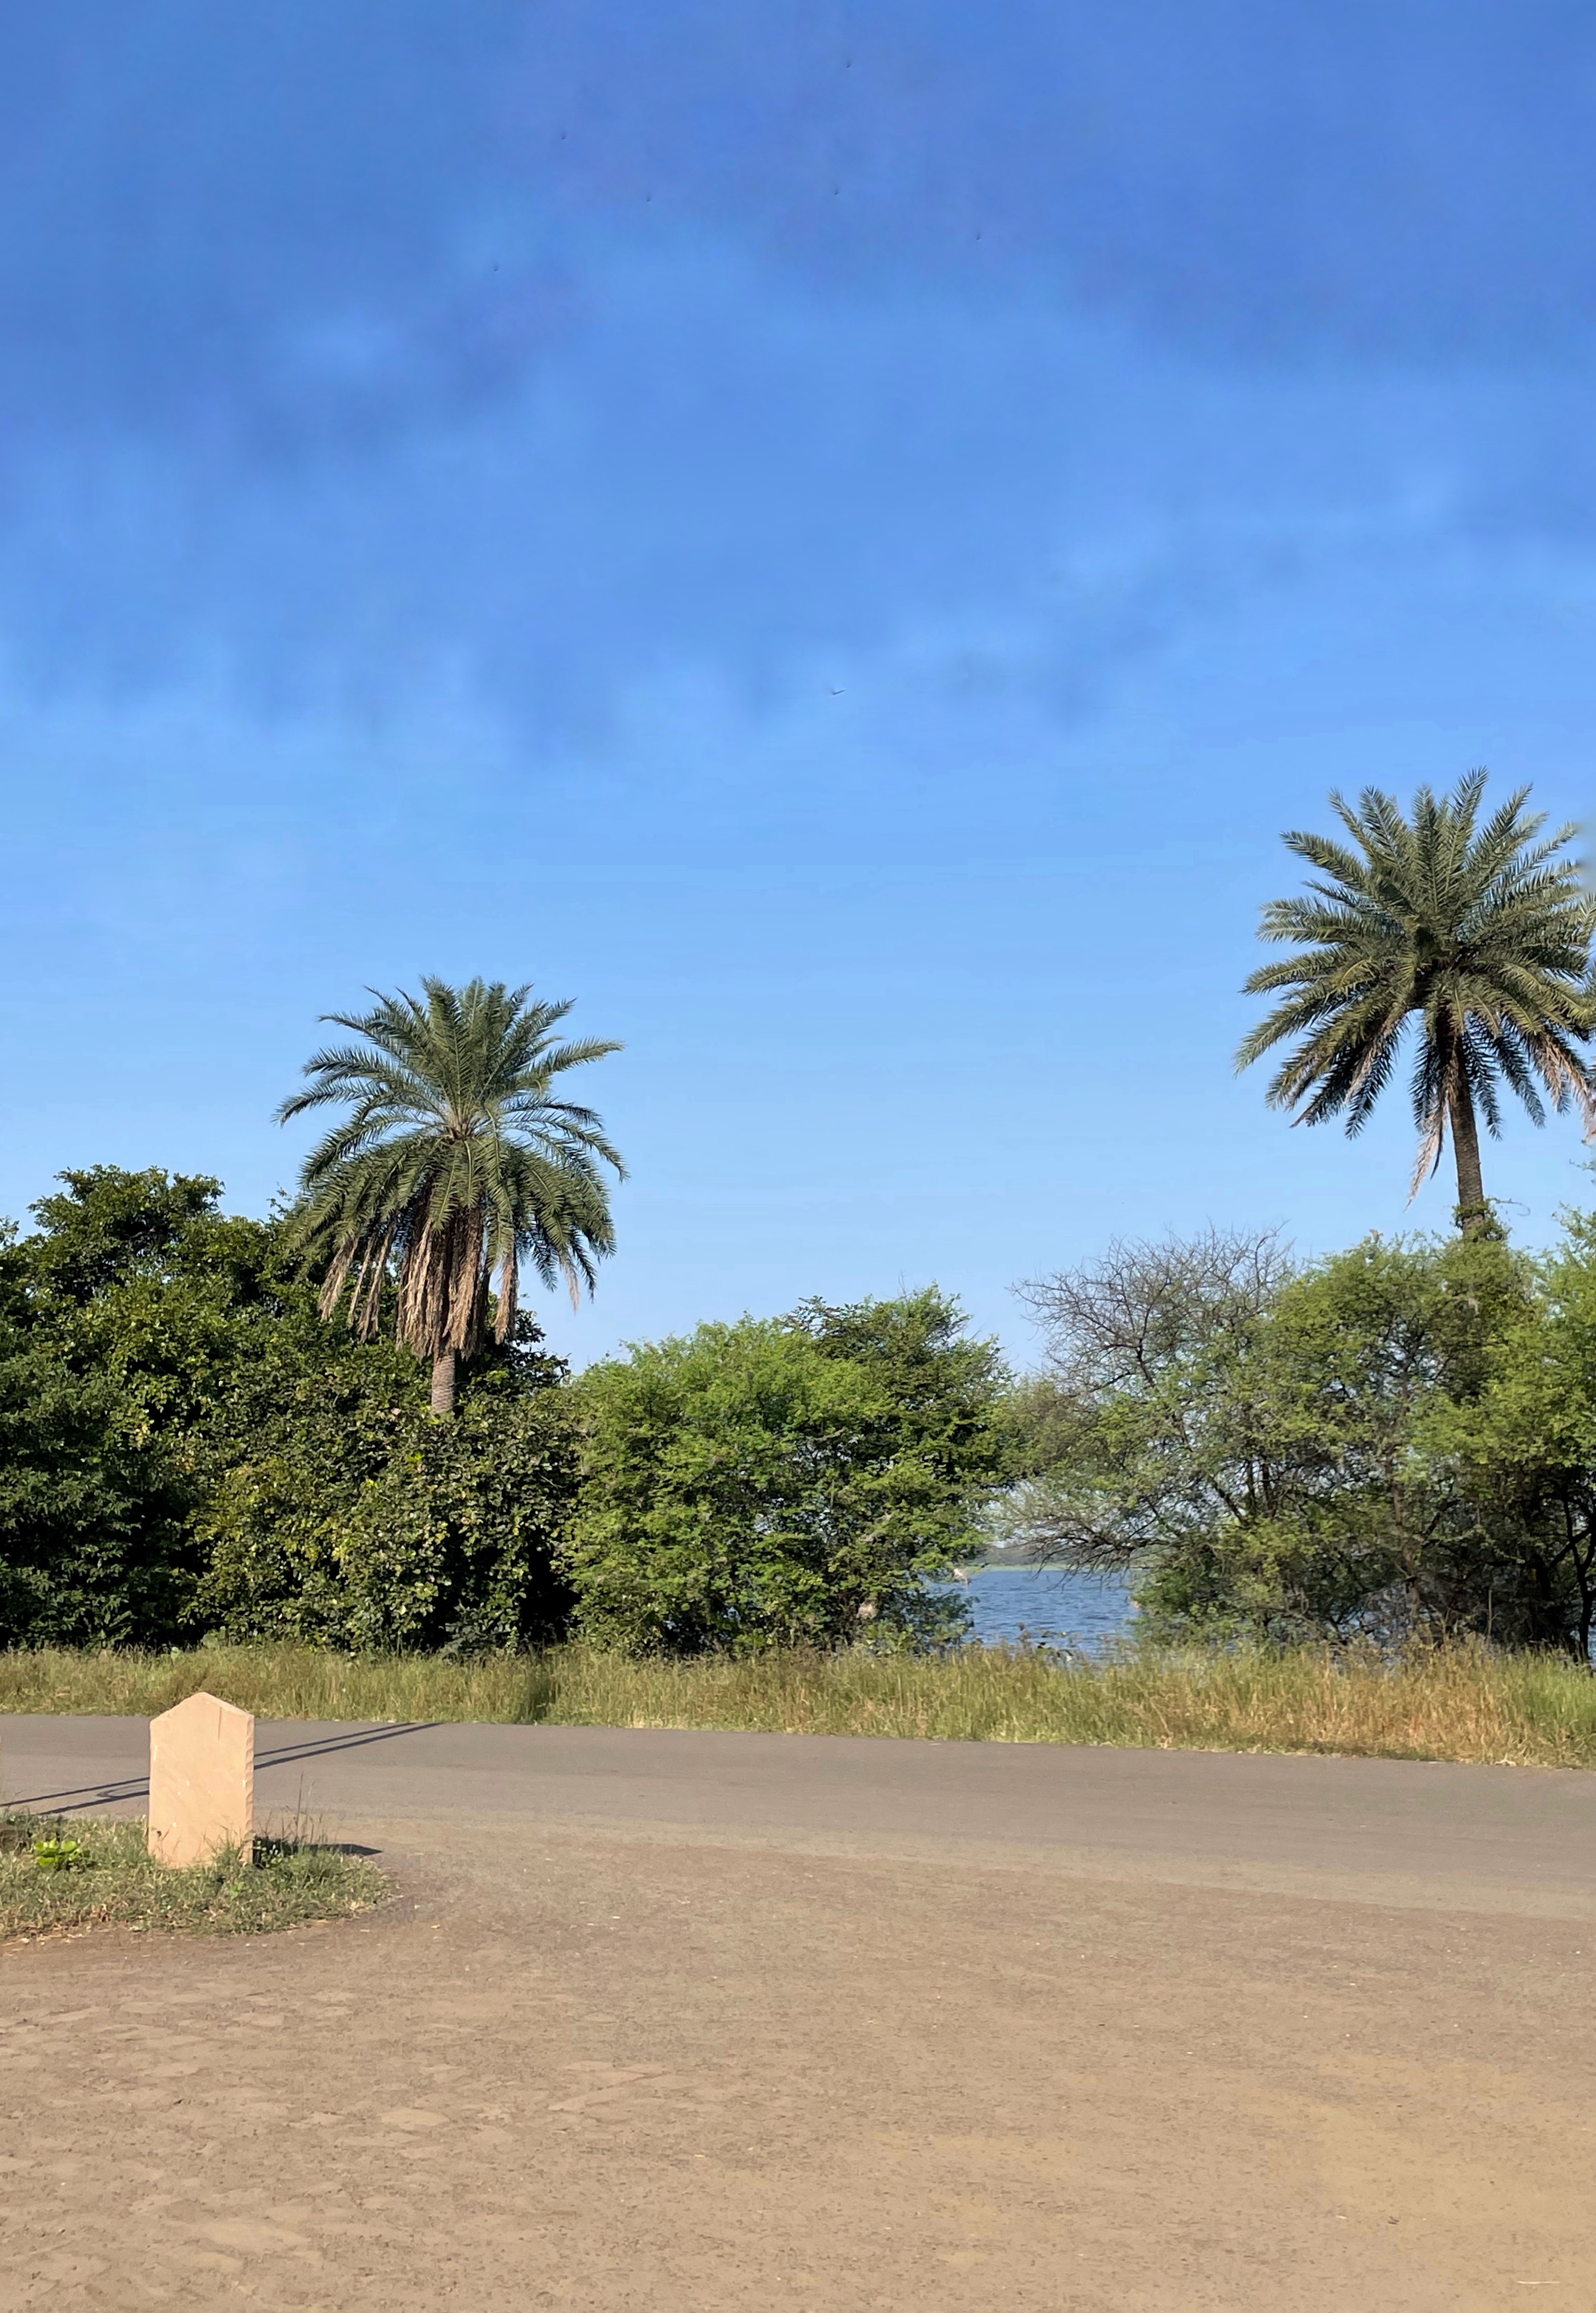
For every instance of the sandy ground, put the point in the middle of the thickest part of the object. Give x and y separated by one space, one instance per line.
674 2022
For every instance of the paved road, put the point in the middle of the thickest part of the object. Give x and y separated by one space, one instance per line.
680 2023
1396 1831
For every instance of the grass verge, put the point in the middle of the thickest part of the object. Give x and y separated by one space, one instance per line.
55 1874
1465 1703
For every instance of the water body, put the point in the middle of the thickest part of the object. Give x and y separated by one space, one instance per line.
1029 1604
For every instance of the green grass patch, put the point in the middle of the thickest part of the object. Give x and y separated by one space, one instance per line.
1467 1703
57 1874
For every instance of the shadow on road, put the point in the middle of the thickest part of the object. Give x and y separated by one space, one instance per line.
79 1800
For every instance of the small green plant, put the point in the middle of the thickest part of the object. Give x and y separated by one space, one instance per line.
60 1854
101 1874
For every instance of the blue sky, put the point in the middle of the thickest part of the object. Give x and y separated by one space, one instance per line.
837 536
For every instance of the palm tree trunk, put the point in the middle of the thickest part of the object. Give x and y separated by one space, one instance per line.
1473 1212
445 1380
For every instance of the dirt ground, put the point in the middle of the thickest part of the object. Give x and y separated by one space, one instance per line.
634 2063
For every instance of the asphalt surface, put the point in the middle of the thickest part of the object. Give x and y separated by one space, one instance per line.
1392 1831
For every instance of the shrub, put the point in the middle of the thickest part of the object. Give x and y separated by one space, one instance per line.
429 1534
785 1481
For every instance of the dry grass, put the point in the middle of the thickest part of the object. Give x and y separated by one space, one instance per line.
80 1874
1513 1709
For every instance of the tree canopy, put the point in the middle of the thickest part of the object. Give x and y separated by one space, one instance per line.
1395 1441
1477 934
456 1162
187 1445
794 1481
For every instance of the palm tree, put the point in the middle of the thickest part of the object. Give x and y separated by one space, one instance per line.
1482 934
455 1163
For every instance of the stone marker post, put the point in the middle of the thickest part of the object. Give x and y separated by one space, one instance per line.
202 1781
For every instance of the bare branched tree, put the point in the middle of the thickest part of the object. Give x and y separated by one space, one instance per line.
1125 1316
1141 1418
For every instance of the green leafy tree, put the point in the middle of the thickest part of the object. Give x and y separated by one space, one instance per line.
94 1549
146 1283
1369 1531
785 1481
116 1326
456 1163
1479 934
1521 1451
187 1445
106 1227
341 1512
1264 1446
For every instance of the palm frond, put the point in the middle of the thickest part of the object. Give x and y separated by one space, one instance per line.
452 1164
1479 931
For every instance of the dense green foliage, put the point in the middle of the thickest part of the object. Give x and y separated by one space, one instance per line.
189 1446
1395 1441
340 1509
783 1482
1399 1439
93 1373
1479 935
192 1447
